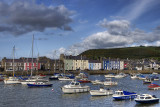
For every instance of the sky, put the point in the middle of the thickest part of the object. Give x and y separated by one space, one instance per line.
74 26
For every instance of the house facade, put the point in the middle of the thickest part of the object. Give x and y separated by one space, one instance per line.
111 64
94 65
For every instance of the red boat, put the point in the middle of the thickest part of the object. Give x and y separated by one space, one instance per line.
1 79
84 80
153 87
41 75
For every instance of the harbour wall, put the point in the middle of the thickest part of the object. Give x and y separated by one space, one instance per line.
98 72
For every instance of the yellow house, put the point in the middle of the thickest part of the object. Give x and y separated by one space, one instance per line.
80 64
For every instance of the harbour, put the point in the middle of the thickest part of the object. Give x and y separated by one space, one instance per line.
21 95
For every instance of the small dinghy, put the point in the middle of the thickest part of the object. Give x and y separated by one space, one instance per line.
101 92
124 95
146 98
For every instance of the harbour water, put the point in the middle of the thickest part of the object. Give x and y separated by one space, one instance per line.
22 96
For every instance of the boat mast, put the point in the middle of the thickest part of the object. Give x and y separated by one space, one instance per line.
13 59
32 55
37 62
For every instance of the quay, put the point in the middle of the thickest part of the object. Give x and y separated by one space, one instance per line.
90 72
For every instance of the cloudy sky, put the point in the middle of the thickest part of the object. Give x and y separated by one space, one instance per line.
73 26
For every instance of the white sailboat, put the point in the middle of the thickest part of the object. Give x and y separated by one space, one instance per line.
32 79
13 79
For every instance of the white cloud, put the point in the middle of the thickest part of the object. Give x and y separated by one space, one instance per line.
118 33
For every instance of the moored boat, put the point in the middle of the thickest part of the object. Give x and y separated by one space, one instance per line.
109 76
109 82
11 80
153 86
147 80
39 84
65 79
146 98
32 80
55 76
124 95
75 87
84 80
97 82
101 92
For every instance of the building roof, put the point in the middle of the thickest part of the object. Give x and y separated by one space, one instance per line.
94 61
76 57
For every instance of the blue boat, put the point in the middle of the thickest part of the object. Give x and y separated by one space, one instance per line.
146 98
124 95
40 84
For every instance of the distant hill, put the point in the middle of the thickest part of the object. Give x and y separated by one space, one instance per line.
124 53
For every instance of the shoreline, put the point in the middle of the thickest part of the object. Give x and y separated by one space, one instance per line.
98 72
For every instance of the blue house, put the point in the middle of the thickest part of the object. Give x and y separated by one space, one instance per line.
94 65
110 64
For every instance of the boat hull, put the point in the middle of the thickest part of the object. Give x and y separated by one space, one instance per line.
53 78
75 90
11 82
100 93
124 97
35 85
147 101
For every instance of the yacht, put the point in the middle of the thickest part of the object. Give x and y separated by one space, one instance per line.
124 95
75 87
146 98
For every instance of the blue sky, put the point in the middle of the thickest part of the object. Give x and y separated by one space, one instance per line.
73 26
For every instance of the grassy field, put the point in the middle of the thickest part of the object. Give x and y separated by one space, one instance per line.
123 53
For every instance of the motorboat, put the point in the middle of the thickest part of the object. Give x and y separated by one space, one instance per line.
134 76
11 80
153 86
55 76
101 92
65 79
84 80
155 78
109 76
142 77
97 82
124 95
32 80
146 98
81 75
147 80
75 87
39 84
154 73
119 76
109 82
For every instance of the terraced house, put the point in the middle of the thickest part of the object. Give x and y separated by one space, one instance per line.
21 64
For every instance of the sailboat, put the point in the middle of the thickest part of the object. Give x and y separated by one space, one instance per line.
13 79
32 79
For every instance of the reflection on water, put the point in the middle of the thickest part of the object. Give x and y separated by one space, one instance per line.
19 95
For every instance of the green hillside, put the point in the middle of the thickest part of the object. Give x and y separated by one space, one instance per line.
123 53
